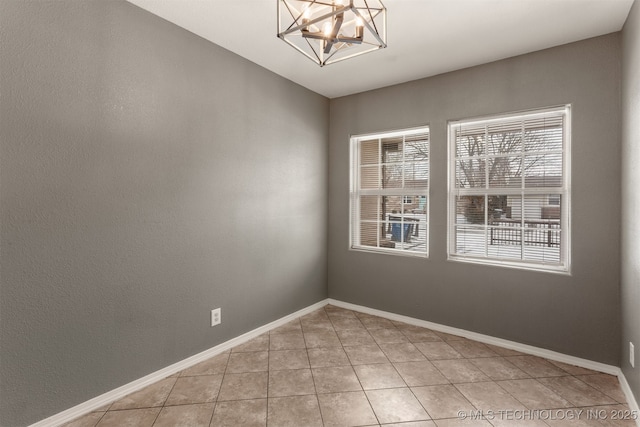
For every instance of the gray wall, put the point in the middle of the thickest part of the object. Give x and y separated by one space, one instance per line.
630 290
147 176
578 314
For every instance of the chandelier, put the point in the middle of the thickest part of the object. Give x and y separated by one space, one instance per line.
328 31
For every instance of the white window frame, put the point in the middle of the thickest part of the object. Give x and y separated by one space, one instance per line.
564 265
356 192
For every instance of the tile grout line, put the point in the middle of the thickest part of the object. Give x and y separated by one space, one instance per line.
410 388
356 374
470 358
266 415
311 368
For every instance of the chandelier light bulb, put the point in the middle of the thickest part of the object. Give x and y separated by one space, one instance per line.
326 28
359 27
306 15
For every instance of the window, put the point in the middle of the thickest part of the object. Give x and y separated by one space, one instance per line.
509 198
390 192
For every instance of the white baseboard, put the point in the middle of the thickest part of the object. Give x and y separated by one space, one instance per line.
113 395
633 403
487 339
523 348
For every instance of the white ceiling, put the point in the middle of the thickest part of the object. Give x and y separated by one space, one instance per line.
425 37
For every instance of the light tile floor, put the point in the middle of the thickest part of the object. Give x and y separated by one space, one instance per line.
336 367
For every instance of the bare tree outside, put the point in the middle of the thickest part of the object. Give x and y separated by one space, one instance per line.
496 157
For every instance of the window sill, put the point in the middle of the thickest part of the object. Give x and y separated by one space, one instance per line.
520 265
396 252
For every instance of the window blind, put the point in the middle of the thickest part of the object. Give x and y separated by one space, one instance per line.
390 192
509 194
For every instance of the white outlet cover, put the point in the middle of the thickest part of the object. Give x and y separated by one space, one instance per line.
216 317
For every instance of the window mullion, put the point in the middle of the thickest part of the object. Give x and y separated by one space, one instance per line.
523 185
379 218
378 224
522 226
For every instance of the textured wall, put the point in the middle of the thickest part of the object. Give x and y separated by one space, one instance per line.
147 176
630 291
578 314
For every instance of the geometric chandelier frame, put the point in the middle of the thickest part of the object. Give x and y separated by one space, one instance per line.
329 31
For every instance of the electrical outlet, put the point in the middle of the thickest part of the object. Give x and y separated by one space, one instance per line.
632 356
216 316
